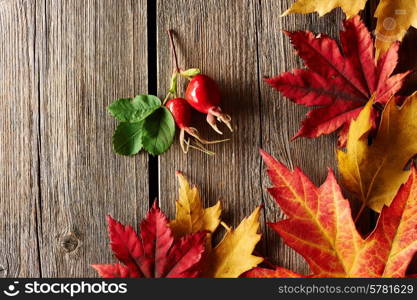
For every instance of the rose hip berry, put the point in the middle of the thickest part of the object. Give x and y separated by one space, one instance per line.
182 113
204 95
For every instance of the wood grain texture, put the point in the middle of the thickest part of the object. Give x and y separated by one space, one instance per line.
67 60
281 118
18 141
211 35
91 53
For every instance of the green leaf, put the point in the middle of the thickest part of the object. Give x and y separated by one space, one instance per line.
127 139
158 131
134 110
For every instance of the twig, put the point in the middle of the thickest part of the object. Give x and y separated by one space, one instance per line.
174 51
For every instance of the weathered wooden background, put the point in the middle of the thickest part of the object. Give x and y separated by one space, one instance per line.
63 61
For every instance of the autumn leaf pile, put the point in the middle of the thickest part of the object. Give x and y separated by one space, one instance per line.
393 17
182 248
355 91
320 227
352 87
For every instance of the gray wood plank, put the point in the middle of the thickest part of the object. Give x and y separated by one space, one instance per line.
18 141
281 118
220 38
92 52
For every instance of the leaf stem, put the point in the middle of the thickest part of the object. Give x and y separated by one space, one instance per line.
358 215
225 226
166 98
174 51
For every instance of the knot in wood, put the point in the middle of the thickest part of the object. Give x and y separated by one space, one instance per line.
69 242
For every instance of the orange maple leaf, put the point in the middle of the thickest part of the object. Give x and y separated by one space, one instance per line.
321 229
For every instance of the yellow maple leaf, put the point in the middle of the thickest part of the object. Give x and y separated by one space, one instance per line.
233 255
350 7
375 172
394 16
191 217
394 19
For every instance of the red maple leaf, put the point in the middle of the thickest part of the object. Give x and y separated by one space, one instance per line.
321 229
155 253
340 80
